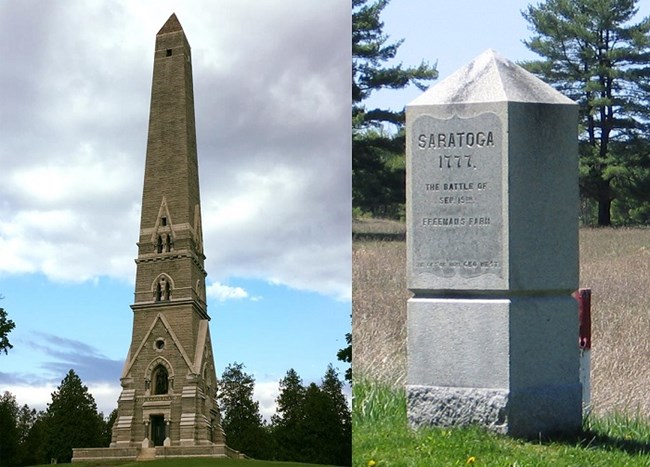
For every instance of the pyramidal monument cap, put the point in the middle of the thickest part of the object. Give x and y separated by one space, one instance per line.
490 77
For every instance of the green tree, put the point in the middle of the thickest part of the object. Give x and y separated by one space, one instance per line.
6 326
336 419
9 433
345 355
71 419
377 154
596 55
33 449
312 423
316 439
288 418
25 420
242 421
108 428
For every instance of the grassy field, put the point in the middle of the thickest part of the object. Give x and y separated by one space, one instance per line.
614 263
381 438
195 462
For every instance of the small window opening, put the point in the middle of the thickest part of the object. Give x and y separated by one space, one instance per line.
159 244
169 243
169 52
163 221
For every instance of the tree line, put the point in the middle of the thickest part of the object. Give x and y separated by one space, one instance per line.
71 419
312 422
593 51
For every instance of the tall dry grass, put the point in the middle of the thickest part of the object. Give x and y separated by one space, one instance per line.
614 263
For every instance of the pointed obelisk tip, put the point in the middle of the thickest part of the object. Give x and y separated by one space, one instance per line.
172 25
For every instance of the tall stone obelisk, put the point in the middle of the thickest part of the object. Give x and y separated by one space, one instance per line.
168 406
492 252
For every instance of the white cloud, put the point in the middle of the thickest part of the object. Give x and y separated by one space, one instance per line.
265 393
272 132
106 395
36 397
224 292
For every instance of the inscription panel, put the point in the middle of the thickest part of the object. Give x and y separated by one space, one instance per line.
456 190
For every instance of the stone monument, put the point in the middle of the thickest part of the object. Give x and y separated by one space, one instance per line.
167 407
492 252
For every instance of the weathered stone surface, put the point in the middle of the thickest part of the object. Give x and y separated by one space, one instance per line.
458 342
492 183
444 406
511 343
491 77
169 383
548 409
457 198
492 252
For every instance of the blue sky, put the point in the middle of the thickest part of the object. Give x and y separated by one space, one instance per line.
453 33
271 86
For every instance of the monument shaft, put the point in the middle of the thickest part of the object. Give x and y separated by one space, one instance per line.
168 407
492 252
170 327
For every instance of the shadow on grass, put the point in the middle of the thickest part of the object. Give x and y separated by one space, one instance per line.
592 439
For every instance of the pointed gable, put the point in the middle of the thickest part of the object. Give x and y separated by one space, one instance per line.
131 359
172 25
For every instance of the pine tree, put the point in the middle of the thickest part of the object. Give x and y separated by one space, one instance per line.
108 428
337 418
71 419
593 53
288 420
34 449
378 156
242 421
315 429
6 326
312 423
25 421
9 433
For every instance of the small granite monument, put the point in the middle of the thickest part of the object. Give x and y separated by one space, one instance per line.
492 252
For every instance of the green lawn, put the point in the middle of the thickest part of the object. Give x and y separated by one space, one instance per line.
195 462
382 438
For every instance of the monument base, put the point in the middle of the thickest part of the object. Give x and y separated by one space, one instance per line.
159 452
524 413
509 364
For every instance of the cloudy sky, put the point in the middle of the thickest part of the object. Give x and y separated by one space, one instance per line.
272 87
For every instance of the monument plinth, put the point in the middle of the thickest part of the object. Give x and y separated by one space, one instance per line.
492 252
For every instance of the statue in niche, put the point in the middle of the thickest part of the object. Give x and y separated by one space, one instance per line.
163 290
161 380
